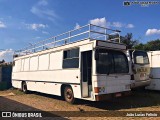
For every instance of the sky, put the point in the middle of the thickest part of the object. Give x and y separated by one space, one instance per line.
23 22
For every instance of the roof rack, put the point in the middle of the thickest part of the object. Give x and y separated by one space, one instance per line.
88 31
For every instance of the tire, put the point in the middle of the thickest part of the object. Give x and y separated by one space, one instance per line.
24 87
68 95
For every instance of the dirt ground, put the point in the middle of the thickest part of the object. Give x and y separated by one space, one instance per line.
140 100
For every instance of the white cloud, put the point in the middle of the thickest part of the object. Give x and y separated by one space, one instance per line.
2 25
130 26
99 21
103 22
7 55
45 32
120 25
41 9
37 37
77 26
42 2
152 31
35 26
117 24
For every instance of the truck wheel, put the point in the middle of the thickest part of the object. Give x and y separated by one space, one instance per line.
68 95
24 87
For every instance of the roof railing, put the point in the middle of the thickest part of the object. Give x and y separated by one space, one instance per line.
88 31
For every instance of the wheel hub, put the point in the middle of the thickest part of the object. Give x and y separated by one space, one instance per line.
69 94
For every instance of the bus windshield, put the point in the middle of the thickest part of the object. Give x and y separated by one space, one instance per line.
111 62
140 57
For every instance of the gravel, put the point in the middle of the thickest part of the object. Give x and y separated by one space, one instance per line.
140 100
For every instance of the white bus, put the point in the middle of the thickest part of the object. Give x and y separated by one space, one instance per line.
154 57
139 68
87 67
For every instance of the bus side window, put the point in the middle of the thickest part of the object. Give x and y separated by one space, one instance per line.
104 62
120 62
71 58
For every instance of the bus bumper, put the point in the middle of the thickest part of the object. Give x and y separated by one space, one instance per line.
112 95
139 83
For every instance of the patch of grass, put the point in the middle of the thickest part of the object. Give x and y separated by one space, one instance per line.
17 92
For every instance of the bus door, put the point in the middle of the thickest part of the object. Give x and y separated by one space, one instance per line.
86 71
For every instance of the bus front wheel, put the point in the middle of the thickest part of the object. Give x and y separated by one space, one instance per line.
24 87
68 95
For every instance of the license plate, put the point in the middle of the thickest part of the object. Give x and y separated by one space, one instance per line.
118 95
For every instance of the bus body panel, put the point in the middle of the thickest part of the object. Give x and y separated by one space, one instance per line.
112 83
51 79
154 57
57 76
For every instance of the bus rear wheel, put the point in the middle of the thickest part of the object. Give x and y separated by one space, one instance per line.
24 87
68 95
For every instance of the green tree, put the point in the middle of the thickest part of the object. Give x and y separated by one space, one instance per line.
153 45
131 43
128 40
140 46
149 46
